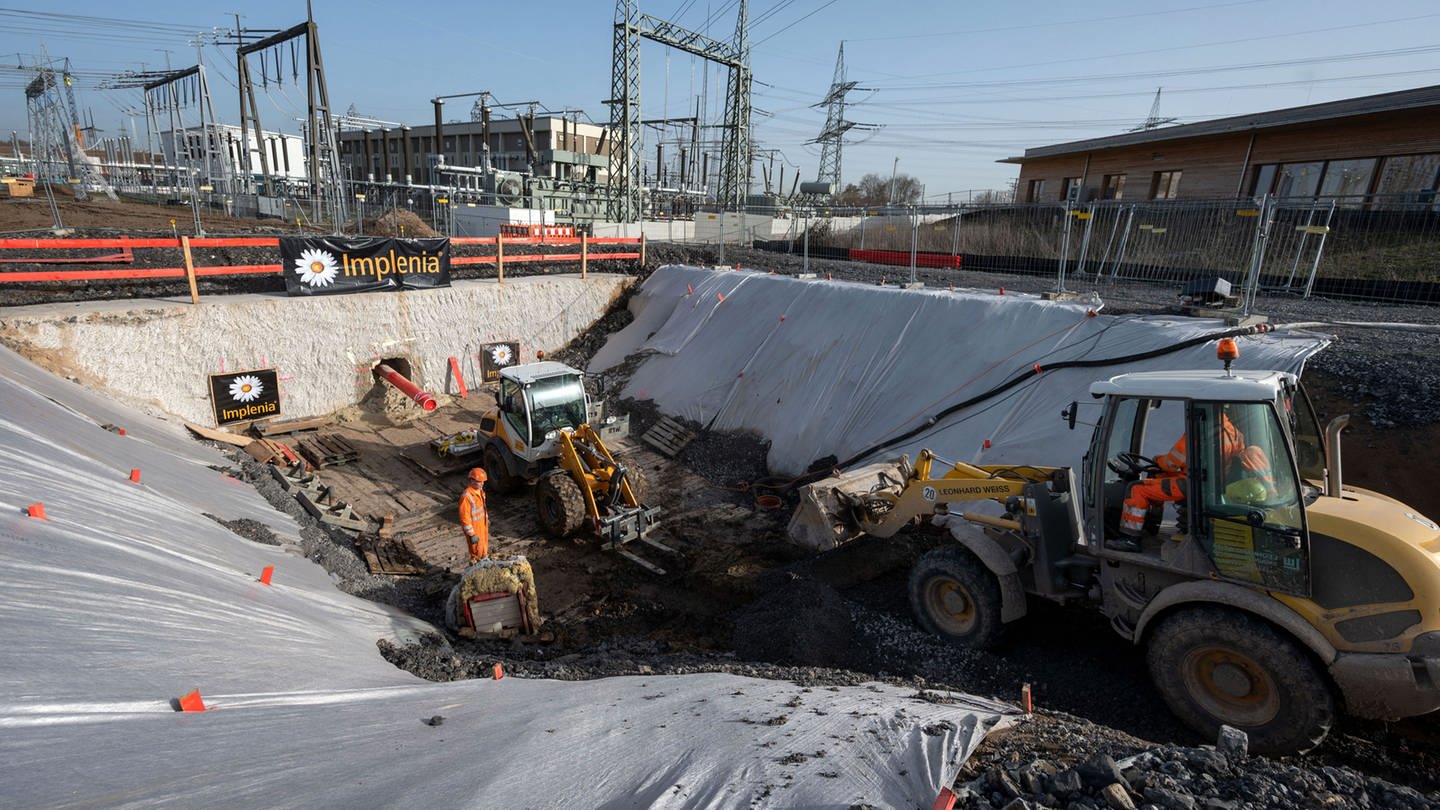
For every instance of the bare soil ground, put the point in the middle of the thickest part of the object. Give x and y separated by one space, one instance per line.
738 598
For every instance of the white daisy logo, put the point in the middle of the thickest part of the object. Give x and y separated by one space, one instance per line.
245 388
500 355
316 267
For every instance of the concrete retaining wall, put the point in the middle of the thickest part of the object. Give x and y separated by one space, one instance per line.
158 353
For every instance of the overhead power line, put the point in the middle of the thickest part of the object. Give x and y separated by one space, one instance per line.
1158 74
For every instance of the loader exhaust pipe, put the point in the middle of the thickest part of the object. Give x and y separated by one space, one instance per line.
1332 444
406 387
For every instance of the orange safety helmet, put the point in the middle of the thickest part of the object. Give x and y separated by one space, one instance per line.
478 474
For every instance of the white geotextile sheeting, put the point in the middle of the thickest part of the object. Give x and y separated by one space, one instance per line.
833 368
128 596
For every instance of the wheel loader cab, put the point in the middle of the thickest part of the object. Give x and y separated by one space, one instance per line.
536 401
1226 478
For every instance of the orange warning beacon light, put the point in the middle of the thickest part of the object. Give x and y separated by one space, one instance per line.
1227 351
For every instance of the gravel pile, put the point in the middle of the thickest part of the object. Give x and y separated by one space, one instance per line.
1102 771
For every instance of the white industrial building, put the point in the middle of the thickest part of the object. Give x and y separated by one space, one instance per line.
561 148
188 147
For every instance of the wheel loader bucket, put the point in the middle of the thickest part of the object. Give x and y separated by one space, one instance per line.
828 515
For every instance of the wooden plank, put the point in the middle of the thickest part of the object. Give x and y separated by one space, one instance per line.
265 451
189 269
267 429
436 542
422 517
430 465
219 435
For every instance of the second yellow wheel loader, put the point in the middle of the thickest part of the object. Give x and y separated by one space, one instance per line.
1268 600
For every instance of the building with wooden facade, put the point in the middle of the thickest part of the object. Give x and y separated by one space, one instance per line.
1356 151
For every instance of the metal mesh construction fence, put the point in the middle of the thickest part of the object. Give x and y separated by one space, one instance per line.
1372 247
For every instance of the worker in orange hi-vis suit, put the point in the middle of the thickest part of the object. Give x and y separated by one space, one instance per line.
473 517
1169 484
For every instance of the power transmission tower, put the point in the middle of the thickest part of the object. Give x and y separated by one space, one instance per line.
735 163
1154 120
201 149
241 37
832 137
624 104
322 152
56 138
624 101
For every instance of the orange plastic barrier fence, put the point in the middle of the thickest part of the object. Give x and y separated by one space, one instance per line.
902 257
126 245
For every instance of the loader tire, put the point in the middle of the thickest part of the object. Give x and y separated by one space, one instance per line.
1217 666
559 504
498 474
954 596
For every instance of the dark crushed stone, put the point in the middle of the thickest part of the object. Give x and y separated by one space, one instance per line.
252 530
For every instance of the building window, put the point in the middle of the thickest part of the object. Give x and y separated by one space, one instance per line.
1299 179
1264 180
1114 186
1166 185
1348 178
1415 175
1035 191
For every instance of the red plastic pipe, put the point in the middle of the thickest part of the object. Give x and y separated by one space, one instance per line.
406 387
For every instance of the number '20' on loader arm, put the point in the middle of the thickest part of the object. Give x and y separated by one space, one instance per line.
1267 607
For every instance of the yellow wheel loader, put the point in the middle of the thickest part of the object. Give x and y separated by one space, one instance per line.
1266 599
540 434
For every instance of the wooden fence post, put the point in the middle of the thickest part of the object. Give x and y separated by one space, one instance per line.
500 256
584 253
642 250
189 268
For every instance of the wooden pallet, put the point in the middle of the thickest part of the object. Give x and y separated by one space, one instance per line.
392 556
327 450
668 436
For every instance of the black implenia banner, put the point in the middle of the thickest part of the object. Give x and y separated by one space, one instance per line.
324 265
241 396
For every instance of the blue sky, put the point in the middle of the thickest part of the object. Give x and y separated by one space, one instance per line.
952 86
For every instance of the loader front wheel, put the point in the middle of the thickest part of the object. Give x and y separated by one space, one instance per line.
498 474
559 504
1215 666
954 595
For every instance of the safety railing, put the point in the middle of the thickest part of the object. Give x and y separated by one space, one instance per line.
48 261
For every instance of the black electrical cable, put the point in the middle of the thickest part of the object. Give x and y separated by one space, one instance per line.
1037 370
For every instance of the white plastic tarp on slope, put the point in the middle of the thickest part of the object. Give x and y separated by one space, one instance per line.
833 368
127 597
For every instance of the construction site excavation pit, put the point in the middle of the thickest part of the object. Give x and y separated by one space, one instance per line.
765 377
